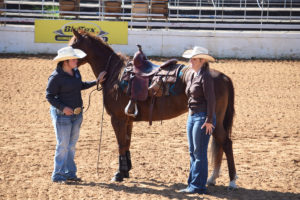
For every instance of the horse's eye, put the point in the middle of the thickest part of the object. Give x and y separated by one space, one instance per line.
75 42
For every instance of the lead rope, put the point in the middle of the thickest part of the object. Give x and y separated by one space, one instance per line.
101 128
102 116
89 103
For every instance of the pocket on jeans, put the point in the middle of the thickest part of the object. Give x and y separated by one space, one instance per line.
199 115
63 120
200 119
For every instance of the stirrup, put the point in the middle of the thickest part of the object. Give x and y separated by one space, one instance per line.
135 108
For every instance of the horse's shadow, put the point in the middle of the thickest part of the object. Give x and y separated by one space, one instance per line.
171 191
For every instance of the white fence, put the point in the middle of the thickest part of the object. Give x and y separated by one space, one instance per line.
228 28
222 44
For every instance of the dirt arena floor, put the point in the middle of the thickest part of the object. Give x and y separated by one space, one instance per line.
266 138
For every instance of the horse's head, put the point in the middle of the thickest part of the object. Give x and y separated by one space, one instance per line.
99 54
95 48
78 41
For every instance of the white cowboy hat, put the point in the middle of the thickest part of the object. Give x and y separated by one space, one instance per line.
198 52
68 53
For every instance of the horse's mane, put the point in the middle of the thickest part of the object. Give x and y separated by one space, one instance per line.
100 42
96 38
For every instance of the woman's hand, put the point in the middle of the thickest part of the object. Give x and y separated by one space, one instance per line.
68 111
209 128
101 77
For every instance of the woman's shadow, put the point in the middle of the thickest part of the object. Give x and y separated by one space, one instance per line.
171 191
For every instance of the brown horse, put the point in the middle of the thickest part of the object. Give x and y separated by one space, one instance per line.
101 57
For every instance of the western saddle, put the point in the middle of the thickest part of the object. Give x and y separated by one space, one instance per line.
142 79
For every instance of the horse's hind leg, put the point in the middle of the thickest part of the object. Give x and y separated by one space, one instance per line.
120 127
227 146
217 154
221 142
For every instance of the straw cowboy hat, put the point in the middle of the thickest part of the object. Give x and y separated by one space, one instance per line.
198 52
68 53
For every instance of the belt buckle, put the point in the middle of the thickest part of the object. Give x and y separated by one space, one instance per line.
77 110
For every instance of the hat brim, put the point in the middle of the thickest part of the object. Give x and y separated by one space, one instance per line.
189 54
78 55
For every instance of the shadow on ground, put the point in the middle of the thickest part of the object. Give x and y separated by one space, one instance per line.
222 192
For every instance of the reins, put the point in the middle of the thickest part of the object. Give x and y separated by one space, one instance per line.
102 115
101 127
98 89
100 139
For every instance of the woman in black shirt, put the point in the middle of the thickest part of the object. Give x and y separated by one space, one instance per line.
64 94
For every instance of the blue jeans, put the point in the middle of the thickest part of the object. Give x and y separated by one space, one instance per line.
198 143
67 133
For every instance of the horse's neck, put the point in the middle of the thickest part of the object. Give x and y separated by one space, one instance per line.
112 65
187 74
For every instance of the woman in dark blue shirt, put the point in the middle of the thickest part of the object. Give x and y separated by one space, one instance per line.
64 94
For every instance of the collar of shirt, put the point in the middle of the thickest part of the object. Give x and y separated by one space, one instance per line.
200 71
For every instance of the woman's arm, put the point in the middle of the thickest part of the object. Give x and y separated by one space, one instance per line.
52 92
209 94
100 79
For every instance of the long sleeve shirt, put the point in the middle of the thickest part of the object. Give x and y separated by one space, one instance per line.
201 94
65 90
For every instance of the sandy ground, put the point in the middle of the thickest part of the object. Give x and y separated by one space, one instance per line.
266 138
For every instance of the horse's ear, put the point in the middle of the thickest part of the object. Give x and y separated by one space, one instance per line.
76 33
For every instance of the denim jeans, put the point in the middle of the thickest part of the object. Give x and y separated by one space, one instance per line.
67 133
198 143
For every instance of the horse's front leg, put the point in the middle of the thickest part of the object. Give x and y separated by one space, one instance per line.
128 140
122 128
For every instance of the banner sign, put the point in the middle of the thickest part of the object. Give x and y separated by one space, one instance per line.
60 31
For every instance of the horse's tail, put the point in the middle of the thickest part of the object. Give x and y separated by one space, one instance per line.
228 119
217 148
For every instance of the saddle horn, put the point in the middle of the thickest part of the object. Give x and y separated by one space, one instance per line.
141 51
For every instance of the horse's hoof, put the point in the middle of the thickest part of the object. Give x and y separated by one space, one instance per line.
232 185
118 177
231 188
211 182
126 174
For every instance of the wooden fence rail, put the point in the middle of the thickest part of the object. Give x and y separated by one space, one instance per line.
180 14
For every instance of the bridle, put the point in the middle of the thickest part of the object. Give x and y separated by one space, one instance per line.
106 68
98 87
